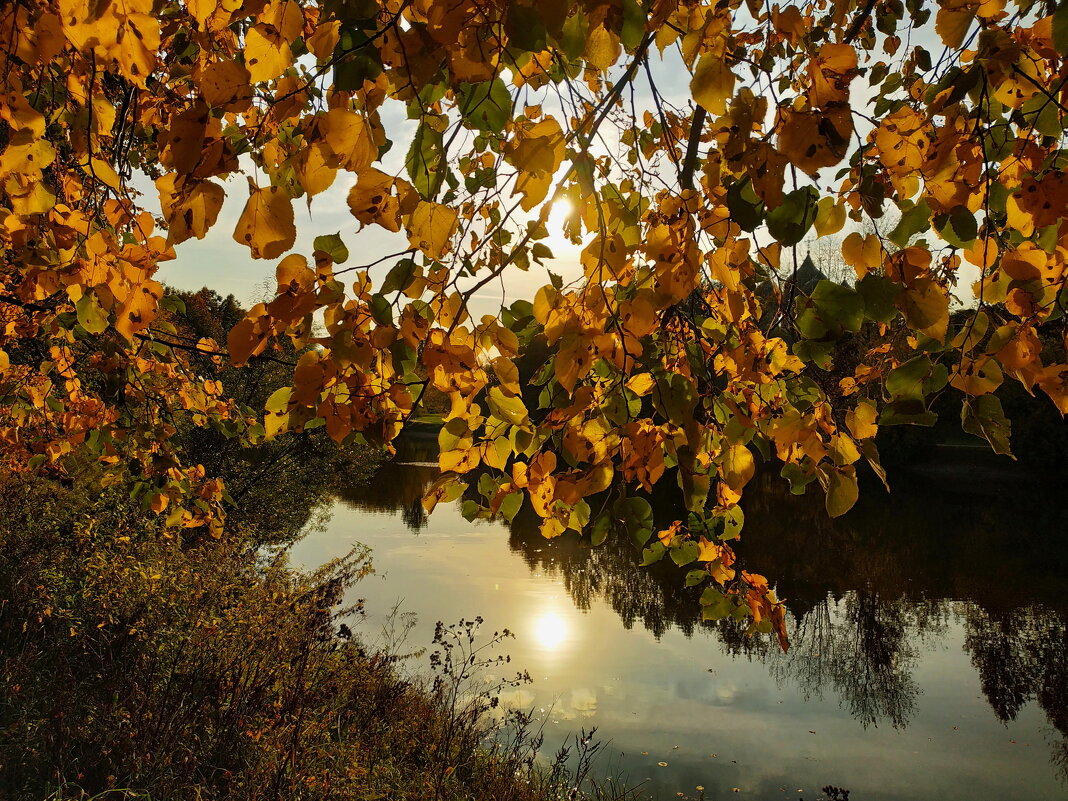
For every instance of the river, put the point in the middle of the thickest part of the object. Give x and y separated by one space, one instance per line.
928 634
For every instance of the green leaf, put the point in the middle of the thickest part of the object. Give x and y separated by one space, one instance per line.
540 251
695 577
511 409
425 161
907 381
91 315
733 519
654 553
486 106
637 517
525 28
381 310
984 417
601 526
694 485
399 276
914 220
451 434
1060 28
790 221
745 207
715 605
959 228
814 351
351 71
634 20
511 505
573 41
839 304
332 246
685 553
674 397
909 411
278 403
879 293
799 479
840 484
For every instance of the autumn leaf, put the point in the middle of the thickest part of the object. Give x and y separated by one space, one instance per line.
713 83
226 85
266 225
430 228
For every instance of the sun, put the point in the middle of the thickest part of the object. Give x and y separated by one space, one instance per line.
550 630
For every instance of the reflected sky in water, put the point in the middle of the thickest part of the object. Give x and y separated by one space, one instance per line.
928 657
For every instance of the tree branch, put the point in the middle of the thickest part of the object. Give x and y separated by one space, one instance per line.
689 163
858 21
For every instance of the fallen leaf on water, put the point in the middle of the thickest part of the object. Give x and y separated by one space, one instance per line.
662 764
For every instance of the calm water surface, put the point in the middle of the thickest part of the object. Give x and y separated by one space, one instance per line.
928 636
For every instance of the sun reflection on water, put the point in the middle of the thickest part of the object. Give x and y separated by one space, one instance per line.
551 630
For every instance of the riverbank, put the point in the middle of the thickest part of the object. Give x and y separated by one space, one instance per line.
135 664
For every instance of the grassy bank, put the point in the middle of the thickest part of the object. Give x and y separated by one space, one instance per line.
134 663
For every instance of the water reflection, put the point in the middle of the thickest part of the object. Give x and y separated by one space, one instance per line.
867 594
550 630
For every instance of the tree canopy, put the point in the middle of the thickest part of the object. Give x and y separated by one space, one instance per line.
695 147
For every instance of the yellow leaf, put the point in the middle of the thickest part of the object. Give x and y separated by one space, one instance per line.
843 450
840 484
814 139
28 158
830 217
712 84
371 200
926 308
862 253
102 171
226 85
325 39
293 274
136 42
315 168
285 18
189 207
977 376
952 24
266 55
602 48
738 467
641 384
430 228
348 136
139 309
183 138
861 421
266 225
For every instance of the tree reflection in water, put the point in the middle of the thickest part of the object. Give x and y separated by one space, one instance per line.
865 592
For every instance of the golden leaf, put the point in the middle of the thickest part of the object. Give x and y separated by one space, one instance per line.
371 200
266 225
226 85
713 83
861 421
430 228
266 56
